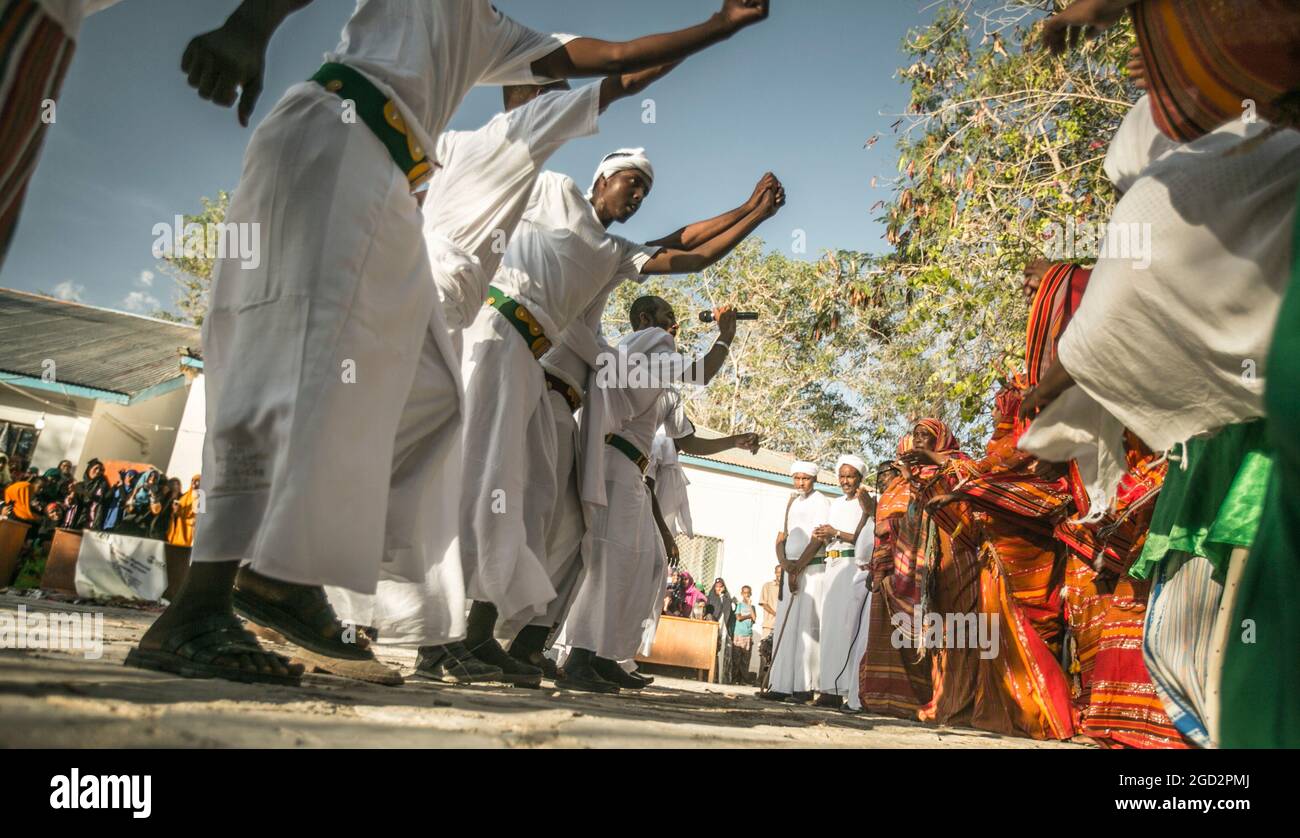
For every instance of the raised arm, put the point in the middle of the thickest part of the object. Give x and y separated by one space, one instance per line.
234 56
693 235
623 85
1081 18
594 57
670 260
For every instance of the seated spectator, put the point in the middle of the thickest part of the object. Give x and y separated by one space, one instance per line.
21 499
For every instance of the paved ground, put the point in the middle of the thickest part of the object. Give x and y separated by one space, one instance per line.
60 699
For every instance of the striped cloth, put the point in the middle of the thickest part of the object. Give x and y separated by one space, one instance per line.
34 57
1204 58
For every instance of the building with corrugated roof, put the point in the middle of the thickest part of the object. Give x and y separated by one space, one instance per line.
80 382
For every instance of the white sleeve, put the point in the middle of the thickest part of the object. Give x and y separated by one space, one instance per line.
511 47
675 421
550 121
634 257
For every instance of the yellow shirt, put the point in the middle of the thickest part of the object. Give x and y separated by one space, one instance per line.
20 495
181 529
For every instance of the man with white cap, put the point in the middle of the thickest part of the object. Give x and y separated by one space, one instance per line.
614 608
849 535
795 656
559 268
333 334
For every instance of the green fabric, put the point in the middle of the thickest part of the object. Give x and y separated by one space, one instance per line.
1212 499
628 450
1261 670
521 320
371 106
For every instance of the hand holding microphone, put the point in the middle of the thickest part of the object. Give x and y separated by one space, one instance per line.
709 316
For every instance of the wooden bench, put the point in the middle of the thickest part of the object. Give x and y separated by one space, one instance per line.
691 644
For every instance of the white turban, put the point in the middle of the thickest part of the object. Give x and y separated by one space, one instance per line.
805 467
850 460
621 161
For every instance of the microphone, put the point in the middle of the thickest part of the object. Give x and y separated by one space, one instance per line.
707 316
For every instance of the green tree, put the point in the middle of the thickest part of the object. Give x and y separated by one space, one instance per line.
800 375
193 273
1000 143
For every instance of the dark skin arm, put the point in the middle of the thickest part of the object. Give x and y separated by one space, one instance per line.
708 447
623 85
594 57
1083 18
693 235
673 261
228 63
1055 381
233 57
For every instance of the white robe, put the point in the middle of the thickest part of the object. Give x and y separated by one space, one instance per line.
333 415
844 621
670 485
625 569
796 661
1181 347
559 259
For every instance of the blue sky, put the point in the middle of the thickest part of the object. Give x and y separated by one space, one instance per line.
798 95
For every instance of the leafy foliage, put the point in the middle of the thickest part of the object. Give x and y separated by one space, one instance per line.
193 274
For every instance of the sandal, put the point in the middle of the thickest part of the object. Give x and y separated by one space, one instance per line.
308 611
192 649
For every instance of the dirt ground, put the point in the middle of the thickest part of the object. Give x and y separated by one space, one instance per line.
61 699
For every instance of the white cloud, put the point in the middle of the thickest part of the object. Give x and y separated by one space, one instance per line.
140 302
69 290
146 279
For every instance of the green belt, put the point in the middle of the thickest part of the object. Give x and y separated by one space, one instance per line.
564 388
840 554
816 561
381 115
629 450
521 319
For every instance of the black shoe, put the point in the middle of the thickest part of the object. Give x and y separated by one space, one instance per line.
578 674
801 698
453 664
646 680
767 695
513 671
829 700
538 660
850 711
615 674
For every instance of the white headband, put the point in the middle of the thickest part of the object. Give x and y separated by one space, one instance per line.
621 161
805 467
850 460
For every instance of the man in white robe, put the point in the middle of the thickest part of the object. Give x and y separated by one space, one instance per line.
472 207
849 536
796 650
629 543
560 267
333 408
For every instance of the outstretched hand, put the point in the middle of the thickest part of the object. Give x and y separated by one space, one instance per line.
748 442
766 182
1054 382
742 13
1082 18
771 201
227 64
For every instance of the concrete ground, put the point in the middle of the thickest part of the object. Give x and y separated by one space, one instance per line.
61 699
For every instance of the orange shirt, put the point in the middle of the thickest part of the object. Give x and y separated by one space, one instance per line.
20 495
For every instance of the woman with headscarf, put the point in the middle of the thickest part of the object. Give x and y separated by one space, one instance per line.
721 609
848 535
116 506
184 510
92 497
919 570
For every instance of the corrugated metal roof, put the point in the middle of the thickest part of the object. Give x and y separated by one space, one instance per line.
91 347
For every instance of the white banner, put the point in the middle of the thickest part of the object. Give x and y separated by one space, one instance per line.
111 565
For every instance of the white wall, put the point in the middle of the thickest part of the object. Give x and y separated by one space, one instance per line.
126 432
187 454
746 514
65 431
